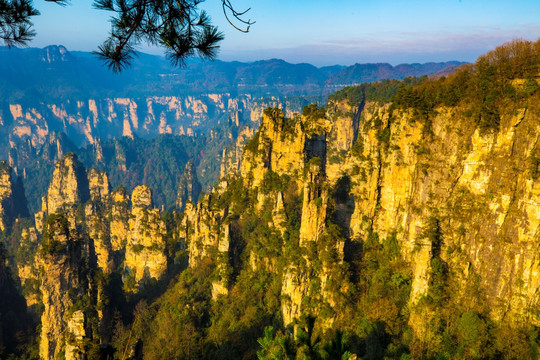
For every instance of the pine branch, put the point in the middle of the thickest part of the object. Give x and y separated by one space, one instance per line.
15 25
177 25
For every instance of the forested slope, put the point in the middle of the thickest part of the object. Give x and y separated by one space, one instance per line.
399 221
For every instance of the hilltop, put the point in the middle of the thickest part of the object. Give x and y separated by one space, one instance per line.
54 73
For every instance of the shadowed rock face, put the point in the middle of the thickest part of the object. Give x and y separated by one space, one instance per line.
12 307
7 206
12 199
189 187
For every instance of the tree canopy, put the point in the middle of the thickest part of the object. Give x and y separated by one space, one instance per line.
179 26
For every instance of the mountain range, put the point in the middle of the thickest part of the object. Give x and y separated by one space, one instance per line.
54 73
52 91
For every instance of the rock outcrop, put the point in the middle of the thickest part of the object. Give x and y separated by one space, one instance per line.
111 230
98 185
94 212
85 122
133 230
231 158
189 187
278 146
315 201
68 187
7 201
63 290
145 249
480 187
120 212
204 226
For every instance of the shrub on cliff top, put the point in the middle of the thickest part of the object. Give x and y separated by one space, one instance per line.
55 225
485 87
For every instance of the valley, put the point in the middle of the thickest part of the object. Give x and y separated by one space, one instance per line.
392 219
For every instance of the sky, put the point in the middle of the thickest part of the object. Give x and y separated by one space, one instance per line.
324 33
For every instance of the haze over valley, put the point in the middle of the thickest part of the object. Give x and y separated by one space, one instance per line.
70 101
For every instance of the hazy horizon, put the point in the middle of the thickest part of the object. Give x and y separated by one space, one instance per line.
324 34
394 64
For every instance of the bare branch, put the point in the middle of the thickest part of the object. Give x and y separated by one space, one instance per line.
60 2
226 4
177 25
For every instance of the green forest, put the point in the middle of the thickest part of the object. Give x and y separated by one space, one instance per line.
398 221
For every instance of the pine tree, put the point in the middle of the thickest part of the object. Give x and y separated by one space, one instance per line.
179 26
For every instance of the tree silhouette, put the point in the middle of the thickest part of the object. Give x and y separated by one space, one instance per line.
179 26
15 25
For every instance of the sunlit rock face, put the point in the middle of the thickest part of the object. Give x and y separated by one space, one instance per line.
145 248
59 260
477 187
69 185
92 120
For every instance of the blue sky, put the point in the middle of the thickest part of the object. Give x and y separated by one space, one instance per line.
330 32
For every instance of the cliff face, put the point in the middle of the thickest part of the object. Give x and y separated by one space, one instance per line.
94 211
298 280
445 191
7 204
61 286
86 122
111 222
231 158
479 187
189 187
120 211
279 147
12 197
314 205
145 249
87 230
69 185
290 150
204 226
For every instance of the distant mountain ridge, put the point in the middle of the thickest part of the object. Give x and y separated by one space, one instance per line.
52 92
54 73
362 73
